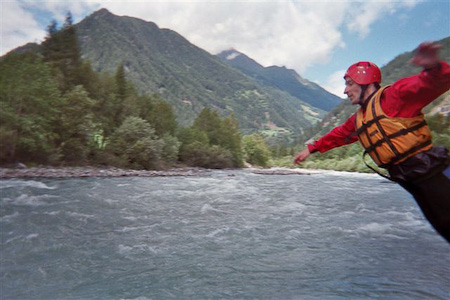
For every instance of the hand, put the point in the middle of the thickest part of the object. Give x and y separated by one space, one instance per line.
427 55
302 156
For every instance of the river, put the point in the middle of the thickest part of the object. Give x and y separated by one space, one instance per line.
225 235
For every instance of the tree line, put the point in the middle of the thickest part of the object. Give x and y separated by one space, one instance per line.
57 110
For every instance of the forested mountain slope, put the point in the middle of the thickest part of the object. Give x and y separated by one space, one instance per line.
163 62
282 78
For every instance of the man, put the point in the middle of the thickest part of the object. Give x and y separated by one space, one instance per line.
390 126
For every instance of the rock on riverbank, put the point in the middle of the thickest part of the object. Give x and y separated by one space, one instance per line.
73 172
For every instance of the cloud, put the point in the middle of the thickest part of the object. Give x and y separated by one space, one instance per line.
58 9
26 21
294 34
366 13
18 27
335 83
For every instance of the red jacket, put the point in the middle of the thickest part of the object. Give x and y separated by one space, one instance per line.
405 98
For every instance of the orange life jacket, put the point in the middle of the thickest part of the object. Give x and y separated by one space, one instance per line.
390 140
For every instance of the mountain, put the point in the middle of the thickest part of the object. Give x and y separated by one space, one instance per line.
396 69
282 78
160 61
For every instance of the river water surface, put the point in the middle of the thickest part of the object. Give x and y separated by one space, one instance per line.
226 235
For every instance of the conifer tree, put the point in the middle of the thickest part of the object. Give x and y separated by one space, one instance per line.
52 28
29 107
69 20
209 122
125 102
122 84
76 125
231 139
61 49
160 116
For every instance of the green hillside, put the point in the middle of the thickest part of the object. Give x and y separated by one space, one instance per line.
282 78
160 61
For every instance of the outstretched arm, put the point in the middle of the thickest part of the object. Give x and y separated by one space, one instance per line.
408 96
339 136
301 156
427 55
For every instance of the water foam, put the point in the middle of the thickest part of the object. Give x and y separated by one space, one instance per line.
32 236
9 218
375 228
18 183
129 251
219 231
80 215
29 200
207 208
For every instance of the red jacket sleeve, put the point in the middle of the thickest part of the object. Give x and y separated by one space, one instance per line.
408 96
339 136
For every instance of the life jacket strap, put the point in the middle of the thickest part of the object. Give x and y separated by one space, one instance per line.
365 125
407 153
396 134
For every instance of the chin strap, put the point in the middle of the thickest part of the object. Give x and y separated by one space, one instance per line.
363 91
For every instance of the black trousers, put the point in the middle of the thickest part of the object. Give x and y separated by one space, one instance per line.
433 197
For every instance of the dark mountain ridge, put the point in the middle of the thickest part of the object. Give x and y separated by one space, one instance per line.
287 80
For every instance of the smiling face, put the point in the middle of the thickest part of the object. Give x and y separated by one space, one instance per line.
352 90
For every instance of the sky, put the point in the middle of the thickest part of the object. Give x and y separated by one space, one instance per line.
318 39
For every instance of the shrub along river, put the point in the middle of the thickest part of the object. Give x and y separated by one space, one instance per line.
228 234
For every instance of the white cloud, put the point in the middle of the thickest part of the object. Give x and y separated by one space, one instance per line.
59 9
18 27
335 83
294 34
364 14
233 55
19 19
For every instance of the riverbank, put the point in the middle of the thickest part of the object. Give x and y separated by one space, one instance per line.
79 172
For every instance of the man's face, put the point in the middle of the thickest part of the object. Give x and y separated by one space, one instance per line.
352 90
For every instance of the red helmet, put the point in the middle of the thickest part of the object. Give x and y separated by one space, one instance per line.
364 72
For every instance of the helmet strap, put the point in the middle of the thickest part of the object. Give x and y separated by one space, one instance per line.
363 91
